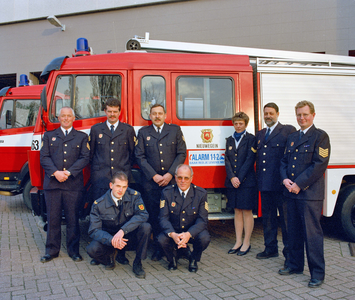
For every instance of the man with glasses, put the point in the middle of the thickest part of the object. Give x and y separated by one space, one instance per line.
183 218
161 148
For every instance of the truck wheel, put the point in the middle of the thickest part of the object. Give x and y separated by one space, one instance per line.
133 45
26 194
346 212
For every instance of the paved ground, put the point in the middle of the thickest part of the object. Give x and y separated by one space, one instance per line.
220 276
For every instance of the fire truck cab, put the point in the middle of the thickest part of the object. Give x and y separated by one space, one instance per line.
19 107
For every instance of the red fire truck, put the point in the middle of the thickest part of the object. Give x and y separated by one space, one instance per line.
201 92
19 107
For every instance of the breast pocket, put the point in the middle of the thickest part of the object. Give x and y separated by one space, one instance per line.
305 155
109 221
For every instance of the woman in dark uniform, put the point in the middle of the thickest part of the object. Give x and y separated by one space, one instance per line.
241 181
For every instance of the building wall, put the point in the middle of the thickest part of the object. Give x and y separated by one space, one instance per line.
302 25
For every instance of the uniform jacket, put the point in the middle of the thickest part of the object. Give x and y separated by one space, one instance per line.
240 162
160 153
106 219
305 162
110 153
269 155
60 152
181 215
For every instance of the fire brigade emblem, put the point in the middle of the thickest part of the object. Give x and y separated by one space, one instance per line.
141 206
53 139
207 135
292 143
100 136
230 147
173 204
148 138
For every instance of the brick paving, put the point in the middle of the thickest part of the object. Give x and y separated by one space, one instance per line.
220 276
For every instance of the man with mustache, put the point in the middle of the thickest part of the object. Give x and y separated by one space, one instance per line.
271 143
161 148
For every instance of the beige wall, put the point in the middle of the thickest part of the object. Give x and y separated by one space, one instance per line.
302 25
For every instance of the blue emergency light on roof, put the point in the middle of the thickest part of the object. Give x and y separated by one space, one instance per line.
82 44
82 47
23 80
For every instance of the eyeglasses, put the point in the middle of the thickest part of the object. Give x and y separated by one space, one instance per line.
181 178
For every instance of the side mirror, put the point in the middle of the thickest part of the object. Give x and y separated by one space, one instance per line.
8 117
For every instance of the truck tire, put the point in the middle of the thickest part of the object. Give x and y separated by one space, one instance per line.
133 45
345 212
26 194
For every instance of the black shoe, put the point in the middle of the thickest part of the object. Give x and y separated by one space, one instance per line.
122 259
265 254
193 265
48 257
234 251
289 271
111 264
138 269
94 262
76 257
241 253
157 255
315 283
173 264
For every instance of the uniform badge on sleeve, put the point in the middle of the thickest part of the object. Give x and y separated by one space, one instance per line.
100 136
206 205
141 206
173 204
323 152
162 203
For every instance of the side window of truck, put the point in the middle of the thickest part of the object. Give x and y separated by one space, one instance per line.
205 97
152 92
86 94
19 113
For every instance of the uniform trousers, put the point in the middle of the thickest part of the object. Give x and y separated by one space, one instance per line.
304 228
56 201
271 202
200 243
152 203
138 237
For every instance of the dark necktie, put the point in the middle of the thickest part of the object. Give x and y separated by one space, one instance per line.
112 129
158 130
183 195
66 132
301 134
267 133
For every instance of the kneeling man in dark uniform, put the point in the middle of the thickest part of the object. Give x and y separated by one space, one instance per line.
117 218
183 218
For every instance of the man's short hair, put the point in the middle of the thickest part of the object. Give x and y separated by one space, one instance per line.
120 175
113 102
272 105
183 165
157 105
303 104
241 116
72 110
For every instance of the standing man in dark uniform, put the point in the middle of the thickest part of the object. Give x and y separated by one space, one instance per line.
161 148
183 218
302 171
116 219
271 142
64 154
112 148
